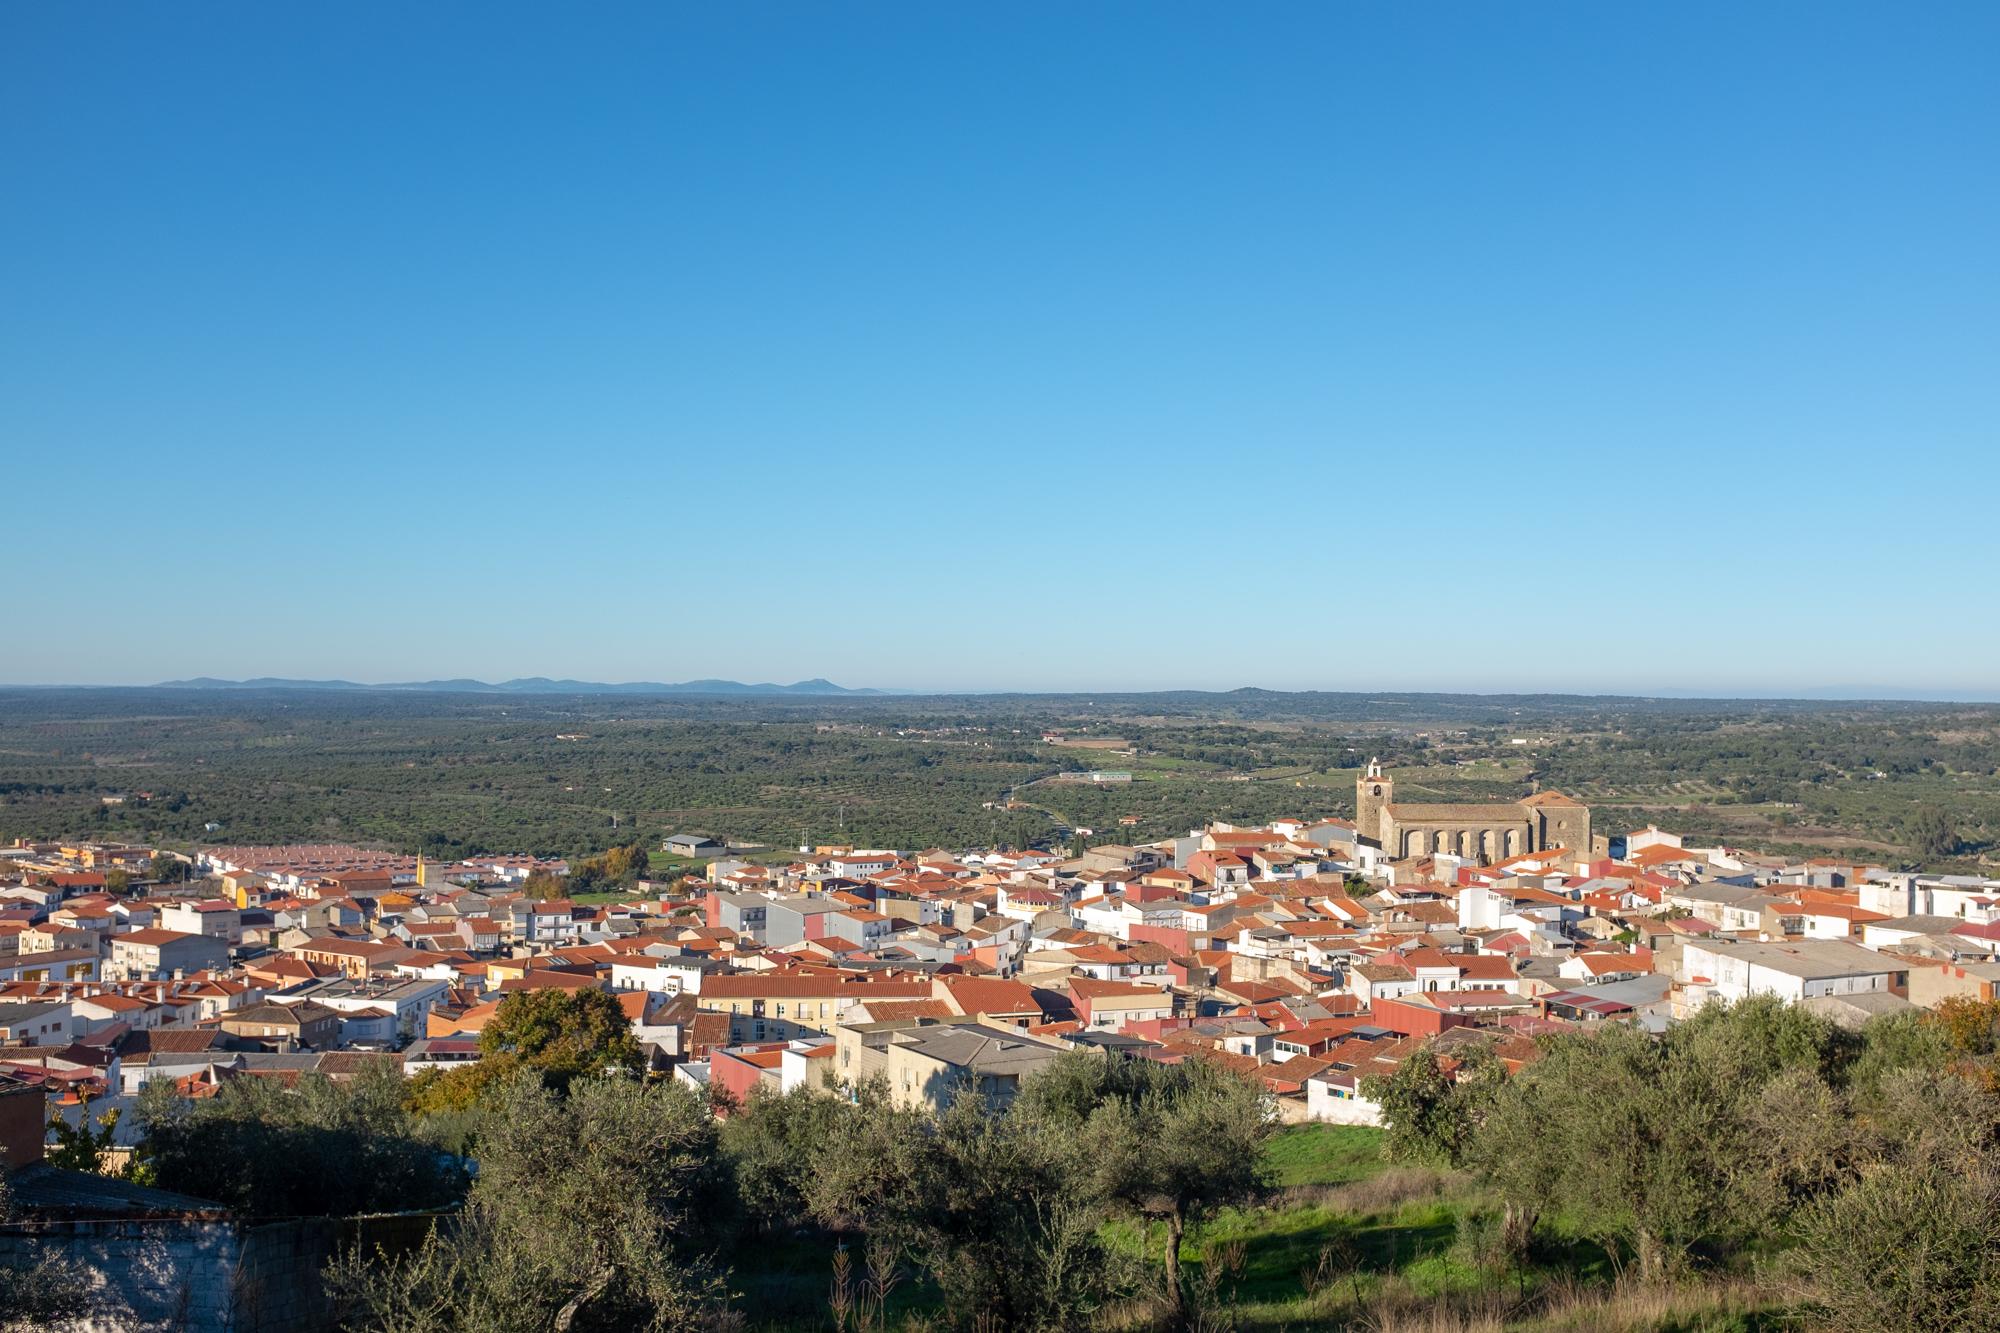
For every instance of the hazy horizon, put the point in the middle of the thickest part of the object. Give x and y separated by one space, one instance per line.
1833 693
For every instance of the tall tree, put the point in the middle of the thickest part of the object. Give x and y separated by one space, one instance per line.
541 886
561 1035
1010 1220
81 1146
1001 1208
1931 833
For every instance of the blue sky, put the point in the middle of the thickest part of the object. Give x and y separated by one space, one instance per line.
1493 347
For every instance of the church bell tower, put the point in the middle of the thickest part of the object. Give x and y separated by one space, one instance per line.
1372 791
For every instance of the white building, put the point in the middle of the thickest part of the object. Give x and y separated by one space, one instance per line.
1732 970
409 1000
1334 1097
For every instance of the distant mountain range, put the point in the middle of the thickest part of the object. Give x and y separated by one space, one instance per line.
527 685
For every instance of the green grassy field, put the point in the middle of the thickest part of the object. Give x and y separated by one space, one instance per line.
1342 1241
783 1282
1347 1241
1323 1155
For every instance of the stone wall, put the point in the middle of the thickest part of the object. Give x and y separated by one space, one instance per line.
1486 839
176 1276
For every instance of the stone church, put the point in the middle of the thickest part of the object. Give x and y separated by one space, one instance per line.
1480 833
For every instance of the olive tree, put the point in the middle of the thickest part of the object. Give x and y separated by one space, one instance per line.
1166 1142
602 1209
1665 1143
1429 1116
1913 1243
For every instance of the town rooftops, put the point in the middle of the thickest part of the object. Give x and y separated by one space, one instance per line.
140 1044
46 958
987 995
341 946
270 1011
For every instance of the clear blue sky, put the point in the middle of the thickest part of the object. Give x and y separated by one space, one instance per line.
1482 346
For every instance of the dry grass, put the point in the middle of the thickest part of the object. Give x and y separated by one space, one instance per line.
1631 1307
1394 1306
1383 1192
1394 1303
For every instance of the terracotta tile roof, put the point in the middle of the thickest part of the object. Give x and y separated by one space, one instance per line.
896 1011
709 1029
986 995
156 937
